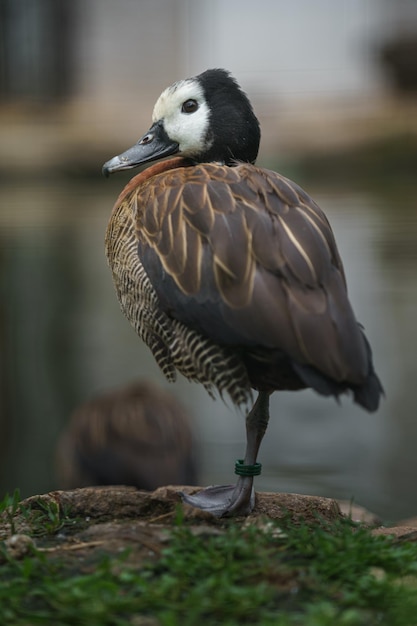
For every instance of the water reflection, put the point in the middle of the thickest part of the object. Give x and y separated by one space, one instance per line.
63 339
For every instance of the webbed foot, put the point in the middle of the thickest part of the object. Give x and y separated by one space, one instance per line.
225 500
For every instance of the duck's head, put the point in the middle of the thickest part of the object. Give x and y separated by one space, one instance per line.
205 118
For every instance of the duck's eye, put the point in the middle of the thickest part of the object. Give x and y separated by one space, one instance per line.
189 106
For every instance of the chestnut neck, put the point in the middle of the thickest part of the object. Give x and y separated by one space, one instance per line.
149 172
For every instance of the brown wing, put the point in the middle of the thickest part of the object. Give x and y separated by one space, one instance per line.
244 256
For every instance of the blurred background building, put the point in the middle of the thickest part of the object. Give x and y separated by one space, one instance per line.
335 87
87 74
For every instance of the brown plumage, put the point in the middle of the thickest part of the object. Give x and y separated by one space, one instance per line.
229 272
136 435
289 297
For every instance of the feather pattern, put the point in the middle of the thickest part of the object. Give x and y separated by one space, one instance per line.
174 346
221 268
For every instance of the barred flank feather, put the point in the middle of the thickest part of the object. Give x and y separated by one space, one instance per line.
199 359
173 345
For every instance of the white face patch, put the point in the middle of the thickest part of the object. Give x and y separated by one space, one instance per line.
189 130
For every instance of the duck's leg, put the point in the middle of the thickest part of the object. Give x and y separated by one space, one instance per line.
238 499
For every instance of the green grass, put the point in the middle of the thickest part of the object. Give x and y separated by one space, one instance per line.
277 574
44 516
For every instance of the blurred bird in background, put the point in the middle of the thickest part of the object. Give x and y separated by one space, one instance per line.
138 435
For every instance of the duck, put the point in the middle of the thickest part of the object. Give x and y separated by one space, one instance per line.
230 272
137 434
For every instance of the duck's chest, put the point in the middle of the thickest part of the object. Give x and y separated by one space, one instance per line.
121 247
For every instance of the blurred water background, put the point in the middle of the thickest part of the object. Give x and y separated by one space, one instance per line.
335 88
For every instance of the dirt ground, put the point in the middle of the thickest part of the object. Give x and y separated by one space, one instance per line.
90 522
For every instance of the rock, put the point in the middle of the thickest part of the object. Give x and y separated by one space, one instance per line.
80 525
128 502
83 523
18 546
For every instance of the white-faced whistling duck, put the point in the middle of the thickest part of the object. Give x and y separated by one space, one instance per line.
229 272
137 435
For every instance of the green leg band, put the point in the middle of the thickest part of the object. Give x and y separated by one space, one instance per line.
247 470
